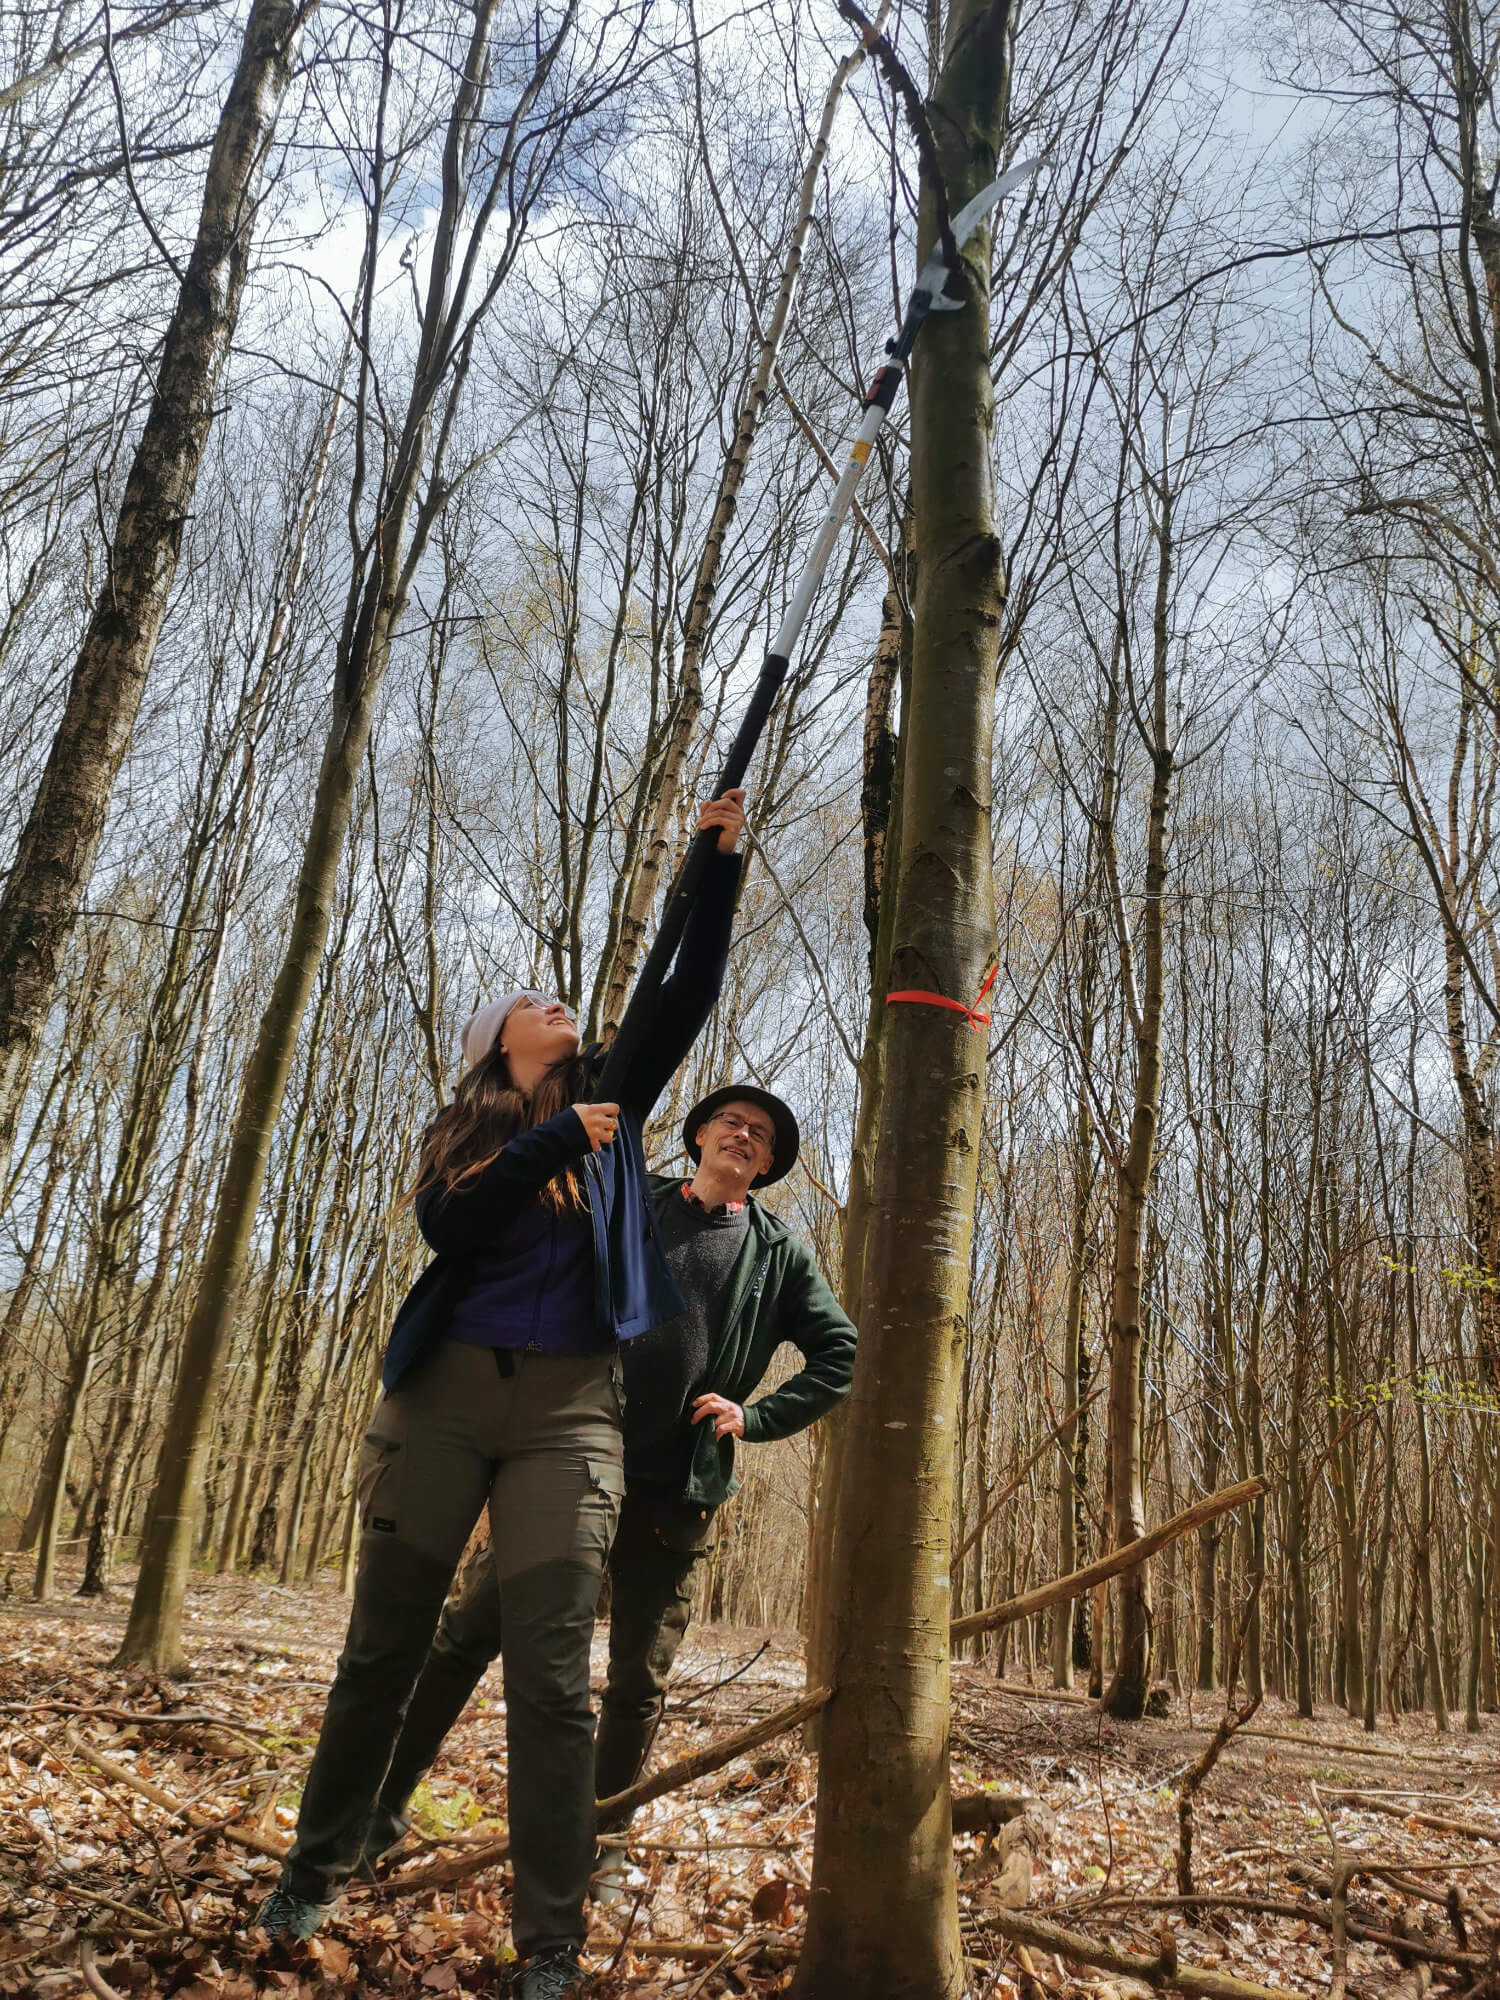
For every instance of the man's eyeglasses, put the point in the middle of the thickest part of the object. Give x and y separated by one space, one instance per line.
737 1122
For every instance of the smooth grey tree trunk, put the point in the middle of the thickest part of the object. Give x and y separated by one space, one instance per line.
883 1919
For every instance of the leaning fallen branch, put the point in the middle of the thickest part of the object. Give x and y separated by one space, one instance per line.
1080 1581
1467 1829
712 1757
1163 1970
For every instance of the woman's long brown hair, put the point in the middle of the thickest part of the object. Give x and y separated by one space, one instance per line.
486 1114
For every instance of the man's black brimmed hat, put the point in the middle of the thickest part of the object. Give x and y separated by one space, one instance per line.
788 1138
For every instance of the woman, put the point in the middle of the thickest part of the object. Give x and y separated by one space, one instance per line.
502 1387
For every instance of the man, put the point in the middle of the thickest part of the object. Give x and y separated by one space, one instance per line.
749 1284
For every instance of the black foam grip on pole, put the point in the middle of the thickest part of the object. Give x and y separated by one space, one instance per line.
918 306
636 1020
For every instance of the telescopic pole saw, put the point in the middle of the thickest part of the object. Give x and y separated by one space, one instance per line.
927 297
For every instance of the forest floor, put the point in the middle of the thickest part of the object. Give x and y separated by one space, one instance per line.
97 1877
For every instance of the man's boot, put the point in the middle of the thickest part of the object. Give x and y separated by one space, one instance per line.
608 1883
620 1753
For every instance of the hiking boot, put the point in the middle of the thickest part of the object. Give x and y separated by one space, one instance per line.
550 1975
284 1914
607 1884
386 1832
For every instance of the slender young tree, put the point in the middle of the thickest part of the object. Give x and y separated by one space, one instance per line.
880 817
517 152
40 903
642 883
1070 1637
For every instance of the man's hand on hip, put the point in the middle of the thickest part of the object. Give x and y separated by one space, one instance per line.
729 1418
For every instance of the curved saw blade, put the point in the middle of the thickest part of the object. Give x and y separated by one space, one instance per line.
936 270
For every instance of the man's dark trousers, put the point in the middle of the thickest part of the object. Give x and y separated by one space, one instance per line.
657 1546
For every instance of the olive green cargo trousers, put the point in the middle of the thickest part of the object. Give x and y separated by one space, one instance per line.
536 1437
657 1547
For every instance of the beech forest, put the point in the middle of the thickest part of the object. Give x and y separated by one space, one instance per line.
418 419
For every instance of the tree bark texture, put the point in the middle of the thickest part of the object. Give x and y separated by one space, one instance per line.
880 815
1067 1619
883 1922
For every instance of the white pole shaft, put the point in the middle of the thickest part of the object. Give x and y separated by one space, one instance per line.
838 510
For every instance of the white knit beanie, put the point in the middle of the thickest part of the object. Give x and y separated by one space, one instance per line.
481 1031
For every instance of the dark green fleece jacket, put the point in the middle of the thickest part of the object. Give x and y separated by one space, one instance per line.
776 1293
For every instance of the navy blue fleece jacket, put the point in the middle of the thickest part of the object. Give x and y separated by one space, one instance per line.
633 1289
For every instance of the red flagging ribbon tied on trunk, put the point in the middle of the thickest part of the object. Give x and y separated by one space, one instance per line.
975 1019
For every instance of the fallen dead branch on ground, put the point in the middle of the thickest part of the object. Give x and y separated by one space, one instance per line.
1360 1932
699 1763
93 1978
1024 1693
1400 1754
1164 1970
1402 1875
695 1951
158 1718
206 1822
1466 1829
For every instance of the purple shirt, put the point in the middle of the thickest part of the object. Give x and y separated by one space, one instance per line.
536 1288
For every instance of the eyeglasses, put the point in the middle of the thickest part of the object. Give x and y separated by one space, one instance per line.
737 1122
